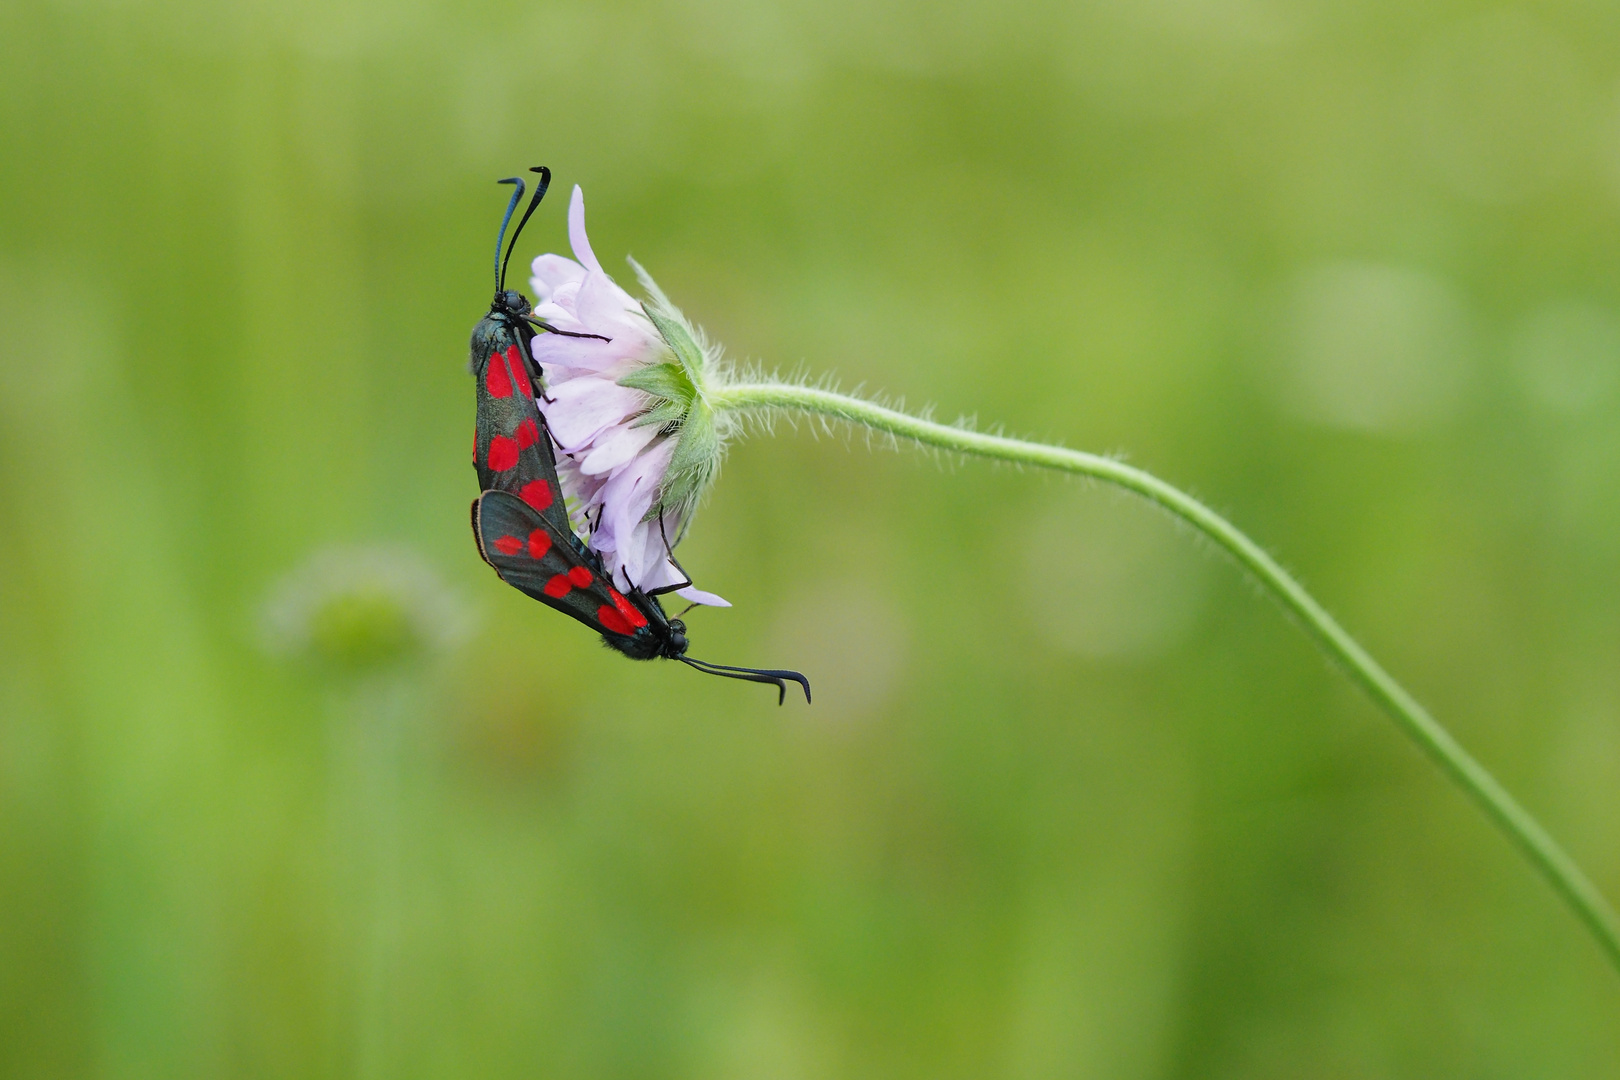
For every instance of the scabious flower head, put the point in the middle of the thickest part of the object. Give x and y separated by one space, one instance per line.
638 442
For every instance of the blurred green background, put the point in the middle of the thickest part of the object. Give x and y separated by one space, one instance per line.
1073 801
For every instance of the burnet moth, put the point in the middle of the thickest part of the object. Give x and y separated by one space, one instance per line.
520 520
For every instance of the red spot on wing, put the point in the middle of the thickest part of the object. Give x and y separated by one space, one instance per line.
508 545
475 444
528 433
626 609
537 493
580 576
503 453
496 378
520 370
539 544
613 621
558 587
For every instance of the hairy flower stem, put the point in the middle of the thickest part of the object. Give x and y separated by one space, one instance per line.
1523 829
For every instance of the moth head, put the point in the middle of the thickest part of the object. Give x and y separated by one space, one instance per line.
512 302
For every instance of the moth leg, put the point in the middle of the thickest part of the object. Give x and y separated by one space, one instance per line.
548 328
670 552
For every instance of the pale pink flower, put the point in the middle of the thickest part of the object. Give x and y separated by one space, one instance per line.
614 458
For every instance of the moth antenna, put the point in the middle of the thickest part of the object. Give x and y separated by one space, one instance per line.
539 193
687 608
500 237
774 676
781 687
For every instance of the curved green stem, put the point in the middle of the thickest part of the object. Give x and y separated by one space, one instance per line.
1523 829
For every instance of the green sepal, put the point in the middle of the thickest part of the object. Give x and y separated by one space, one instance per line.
667 380
678 404
665 412
670 388
692 466
679 340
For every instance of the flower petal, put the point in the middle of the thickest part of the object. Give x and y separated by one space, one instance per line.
610 311
626 498
574 355
552 312
661 573
698 596
615 447
552 272
576 232
580 408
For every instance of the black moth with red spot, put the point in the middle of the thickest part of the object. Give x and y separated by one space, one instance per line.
520 520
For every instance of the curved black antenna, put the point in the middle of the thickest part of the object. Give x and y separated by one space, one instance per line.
500 237
781 687
774 676
539 193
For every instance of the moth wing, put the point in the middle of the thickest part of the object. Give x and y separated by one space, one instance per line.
529 554
512 448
